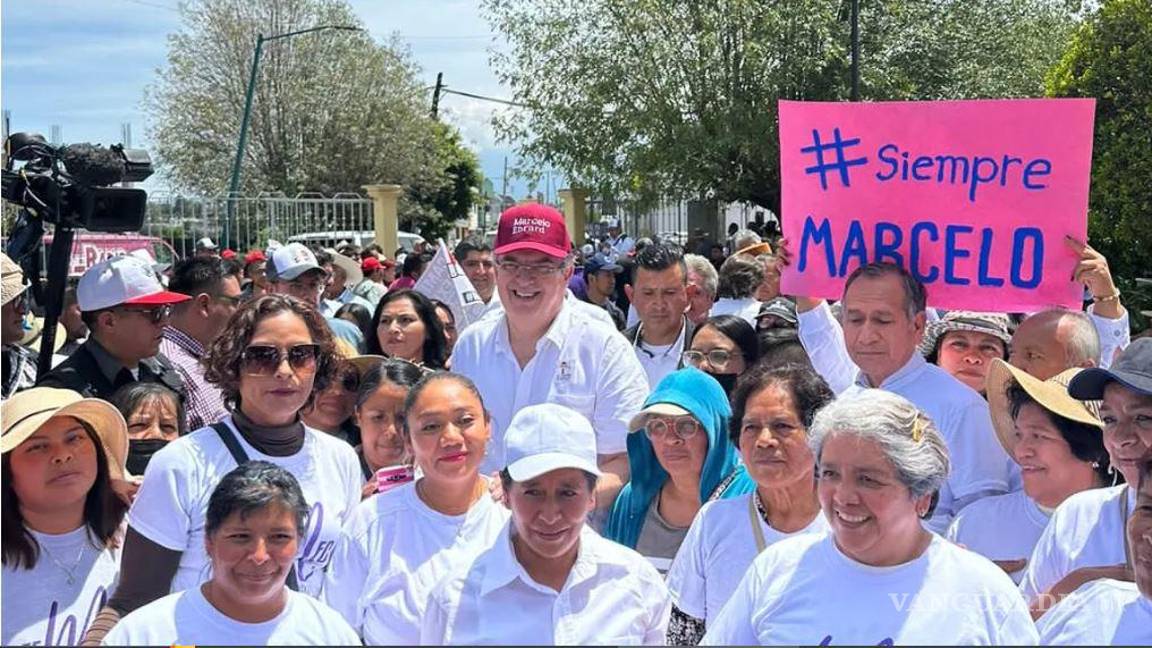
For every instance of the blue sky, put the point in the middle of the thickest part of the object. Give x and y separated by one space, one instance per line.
84 65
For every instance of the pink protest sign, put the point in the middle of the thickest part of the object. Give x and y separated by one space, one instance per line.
973 197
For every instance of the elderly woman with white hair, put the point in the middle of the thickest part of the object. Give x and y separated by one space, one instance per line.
879 577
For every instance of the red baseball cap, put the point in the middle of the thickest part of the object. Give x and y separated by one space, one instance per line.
535 227
370 264
253 257
228 253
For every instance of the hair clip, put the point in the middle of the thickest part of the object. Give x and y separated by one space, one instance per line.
918 427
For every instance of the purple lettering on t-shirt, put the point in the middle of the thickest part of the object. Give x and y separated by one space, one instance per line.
315 553
69 633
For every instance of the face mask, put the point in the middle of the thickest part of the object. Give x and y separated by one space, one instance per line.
727 381
140 452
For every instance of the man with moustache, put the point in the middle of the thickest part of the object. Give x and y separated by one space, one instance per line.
126 310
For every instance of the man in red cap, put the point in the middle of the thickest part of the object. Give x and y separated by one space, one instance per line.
373 287
257 285
126 309
544 348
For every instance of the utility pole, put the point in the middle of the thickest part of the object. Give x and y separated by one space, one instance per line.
855 20
504 183
436 95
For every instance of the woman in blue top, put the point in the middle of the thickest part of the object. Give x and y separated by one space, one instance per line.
680 457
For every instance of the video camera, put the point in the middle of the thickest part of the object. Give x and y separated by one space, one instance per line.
68 187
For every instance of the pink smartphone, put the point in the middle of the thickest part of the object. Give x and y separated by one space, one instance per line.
390 477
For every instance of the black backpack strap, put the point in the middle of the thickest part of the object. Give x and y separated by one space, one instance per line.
241 457
231 442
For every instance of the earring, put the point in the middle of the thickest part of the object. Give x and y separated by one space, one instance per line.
1095 465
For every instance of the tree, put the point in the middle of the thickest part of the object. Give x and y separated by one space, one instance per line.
1110 59
658 98
436 206
333 110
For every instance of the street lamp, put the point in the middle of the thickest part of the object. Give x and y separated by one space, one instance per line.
234 185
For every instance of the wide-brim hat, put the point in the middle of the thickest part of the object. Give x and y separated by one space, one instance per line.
26 411
34 335
756 249
11 279
1051 394
994 324
352 271
1133 369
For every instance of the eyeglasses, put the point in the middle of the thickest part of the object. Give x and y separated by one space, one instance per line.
716 357
227 299
532 271
684 427
154 315
261 360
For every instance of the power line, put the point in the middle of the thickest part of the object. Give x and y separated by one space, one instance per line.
483 98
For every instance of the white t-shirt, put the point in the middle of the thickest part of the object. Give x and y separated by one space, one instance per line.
173 500
1002 527
718 550
392 553
40 607
580 363
804 591
1086 530
1102 612
612 597
187 618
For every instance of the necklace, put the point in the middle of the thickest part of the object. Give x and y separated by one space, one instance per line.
70 574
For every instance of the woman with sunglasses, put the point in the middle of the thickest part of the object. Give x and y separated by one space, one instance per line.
406 326
61 530
395 546
723 347
680 457
277 352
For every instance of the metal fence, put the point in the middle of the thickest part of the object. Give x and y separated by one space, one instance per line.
249 222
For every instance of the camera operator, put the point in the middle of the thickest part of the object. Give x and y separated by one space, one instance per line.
125 308
19 363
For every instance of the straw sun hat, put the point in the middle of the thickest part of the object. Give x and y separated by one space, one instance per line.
1051 394
26 411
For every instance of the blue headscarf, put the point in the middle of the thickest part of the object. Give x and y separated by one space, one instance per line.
705 399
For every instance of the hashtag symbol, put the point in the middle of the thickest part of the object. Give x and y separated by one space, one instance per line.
840 164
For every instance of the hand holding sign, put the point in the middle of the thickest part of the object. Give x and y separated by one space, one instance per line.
972 197
1093 272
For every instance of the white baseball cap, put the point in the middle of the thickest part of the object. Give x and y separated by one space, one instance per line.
122 280
547 437
205 244
287 262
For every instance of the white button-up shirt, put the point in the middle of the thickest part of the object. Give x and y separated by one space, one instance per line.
1114 335
580 363
659 363
612 597
980 466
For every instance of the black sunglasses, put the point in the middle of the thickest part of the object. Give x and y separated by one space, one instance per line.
264 360
155 315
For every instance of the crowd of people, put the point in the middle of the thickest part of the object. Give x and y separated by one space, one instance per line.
632 445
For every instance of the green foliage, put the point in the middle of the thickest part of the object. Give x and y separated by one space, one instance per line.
436 206
669 98
333 110
1110 59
